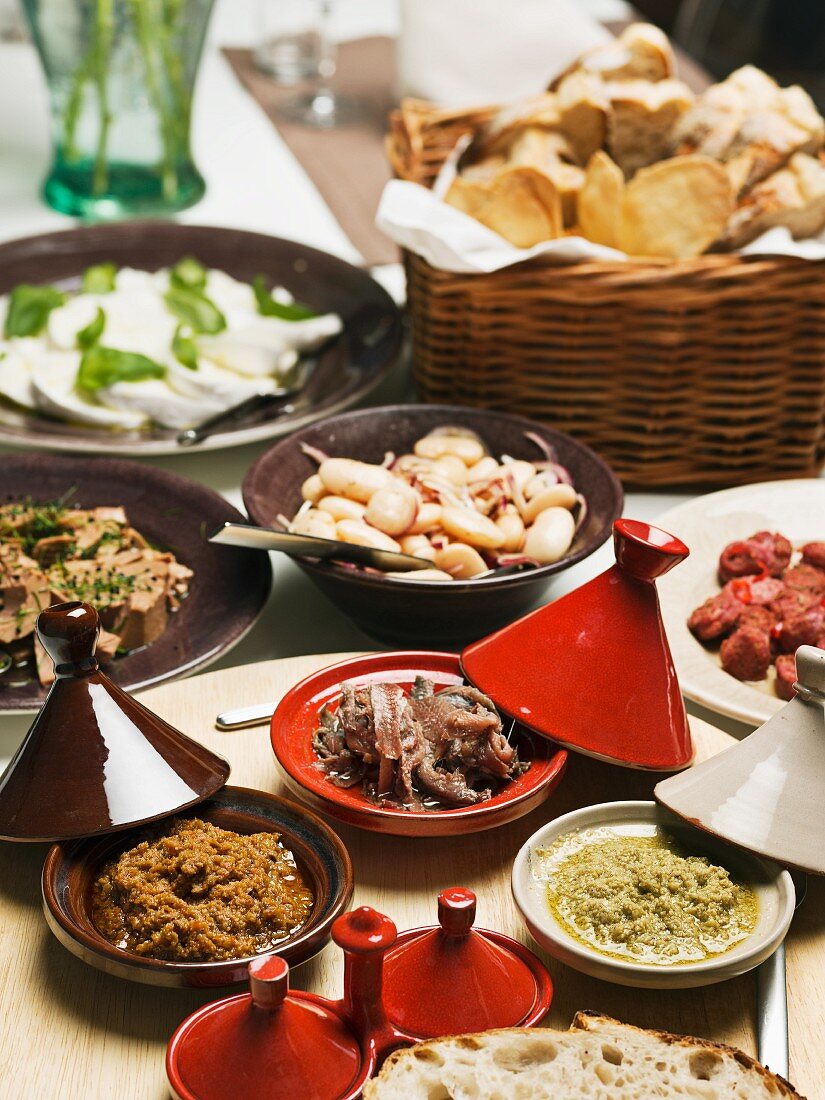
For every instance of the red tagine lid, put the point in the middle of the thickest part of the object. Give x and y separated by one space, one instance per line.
453 978
268 1042
593 670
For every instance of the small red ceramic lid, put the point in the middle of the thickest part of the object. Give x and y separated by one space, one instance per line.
453 978
266 1043
593 670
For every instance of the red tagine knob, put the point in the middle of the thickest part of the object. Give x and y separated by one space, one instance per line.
268 981
644 551
456 910
364 931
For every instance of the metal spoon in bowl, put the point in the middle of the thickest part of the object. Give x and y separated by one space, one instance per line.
308 546
772 1000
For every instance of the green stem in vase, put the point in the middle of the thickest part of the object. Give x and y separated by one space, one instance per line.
101 54
149 25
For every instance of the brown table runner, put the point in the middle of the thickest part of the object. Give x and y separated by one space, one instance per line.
347 164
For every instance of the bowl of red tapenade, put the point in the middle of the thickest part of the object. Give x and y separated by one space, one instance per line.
190 900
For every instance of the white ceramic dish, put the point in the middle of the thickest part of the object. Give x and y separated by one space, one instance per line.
707 524
773 886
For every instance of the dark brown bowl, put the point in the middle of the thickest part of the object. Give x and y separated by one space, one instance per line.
345 373
227 593
70 870
418 612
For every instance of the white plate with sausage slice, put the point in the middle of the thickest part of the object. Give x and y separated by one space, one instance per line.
796 509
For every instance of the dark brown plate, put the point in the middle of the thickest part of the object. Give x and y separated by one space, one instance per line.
345 373
70 870
408 611
228 590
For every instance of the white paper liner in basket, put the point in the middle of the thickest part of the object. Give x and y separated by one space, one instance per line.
417 219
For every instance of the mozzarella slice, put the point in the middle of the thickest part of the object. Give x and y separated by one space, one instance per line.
234 299
53 378
267 345
139 321
155 399
211 381
130 279
16 376
67 320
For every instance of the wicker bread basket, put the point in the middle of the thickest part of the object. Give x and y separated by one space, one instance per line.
705 371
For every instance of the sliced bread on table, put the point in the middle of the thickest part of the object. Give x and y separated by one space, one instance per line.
597 1059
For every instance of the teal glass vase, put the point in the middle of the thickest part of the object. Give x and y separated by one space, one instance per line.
121 76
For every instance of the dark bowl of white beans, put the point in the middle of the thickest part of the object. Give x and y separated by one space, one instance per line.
498 505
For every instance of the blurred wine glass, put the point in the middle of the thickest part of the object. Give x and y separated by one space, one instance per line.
298 45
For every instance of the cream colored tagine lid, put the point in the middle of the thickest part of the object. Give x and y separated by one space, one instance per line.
766 793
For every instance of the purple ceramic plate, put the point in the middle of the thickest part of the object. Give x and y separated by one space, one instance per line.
227 592
345 373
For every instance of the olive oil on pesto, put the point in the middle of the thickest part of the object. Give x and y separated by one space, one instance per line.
645 899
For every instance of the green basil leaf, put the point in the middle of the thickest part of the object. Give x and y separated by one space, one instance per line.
29 309
195 310
99 279
87 337
189 274
269 307
184 349
101 367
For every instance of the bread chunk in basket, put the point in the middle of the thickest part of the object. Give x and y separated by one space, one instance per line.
622 153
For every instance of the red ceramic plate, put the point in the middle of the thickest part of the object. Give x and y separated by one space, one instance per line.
296 719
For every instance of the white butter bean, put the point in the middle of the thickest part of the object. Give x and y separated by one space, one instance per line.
346 477
392 510
355 530
342 508
451 467
484 468
471 527
460 561
521 472
511 525
419 546
312 522
313 489
549 538
428 518
557 496
467 447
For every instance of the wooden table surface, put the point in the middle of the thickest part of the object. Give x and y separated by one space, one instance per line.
73 1033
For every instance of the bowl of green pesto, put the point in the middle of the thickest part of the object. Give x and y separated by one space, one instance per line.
627 892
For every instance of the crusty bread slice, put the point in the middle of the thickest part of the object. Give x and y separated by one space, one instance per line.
641 119
520 203
583 106
497 135
640 52
599 207
597 1059
549 152
793 197
752 125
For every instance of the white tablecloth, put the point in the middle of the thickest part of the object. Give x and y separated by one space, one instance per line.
253 182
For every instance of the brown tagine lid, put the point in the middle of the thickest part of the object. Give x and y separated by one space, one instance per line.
95 760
